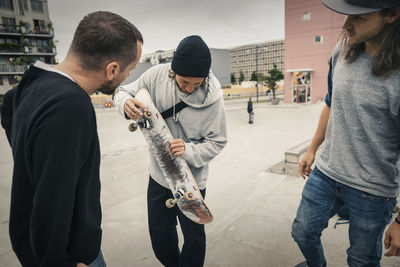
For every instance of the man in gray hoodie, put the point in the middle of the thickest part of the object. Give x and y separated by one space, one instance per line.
199 130
360 124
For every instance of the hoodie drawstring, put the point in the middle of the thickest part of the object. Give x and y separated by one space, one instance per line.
174 115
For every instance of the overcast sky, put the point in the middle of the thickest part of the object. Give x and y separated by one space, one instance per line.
163 23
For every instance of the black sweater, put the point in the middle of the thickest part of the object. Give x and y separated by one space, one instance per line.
6 112
55 199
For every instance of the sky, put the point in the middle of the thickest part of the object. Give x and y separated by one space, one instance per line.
163 23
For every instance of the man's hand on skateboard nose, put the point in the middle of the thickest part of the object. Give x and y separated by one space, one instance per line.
176 147
132 109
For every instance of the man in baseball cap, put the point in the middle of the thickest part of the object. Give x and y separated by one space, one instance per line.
360 125
357 7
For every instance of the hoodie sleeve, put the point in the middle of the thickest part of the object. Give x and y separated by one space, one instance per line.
125 92
215 139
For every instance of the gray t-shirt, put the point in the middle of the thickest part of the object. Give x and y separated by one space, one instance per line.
362 142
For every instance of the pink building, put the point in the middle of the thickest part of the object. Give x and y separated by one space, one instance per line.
311 32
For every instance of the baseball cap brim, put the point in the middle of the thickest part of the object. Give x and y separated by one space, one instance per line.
344 8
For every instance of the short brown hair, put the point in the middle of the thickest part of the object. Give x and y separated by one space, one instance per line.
102 37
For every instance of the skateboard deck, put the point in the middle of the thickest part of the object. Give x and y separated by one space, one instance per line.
180 179
251 117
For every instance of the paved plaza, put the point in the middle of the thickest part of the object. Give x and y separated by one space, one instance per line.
253 208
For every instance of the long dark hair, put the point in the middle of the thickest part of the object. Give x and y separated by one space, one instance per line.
387 58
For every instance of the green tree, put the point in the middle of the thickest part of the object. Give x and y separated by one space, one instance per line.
253 76
261 77
274 76
233 78
241 78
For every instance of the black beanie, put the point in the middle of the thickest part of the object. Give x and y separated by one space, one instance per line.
192 58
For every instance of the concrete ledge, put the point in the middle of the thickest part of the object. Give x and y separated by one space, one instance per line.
293 156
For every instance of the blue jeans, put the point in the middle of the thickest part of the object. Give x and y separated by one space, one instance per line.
322 197
99 261
250 116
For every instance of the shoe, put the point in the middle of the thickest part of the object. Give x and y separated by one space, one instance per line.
301 264
396 209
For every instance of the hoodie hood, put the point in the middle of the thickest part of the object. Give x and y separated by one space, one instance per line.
201 125
202 96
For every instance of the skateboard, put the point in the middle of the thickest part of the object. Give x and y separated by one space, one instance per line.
180 179
251 117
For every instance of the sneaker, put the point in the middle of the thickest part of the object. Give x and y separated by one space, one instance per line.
396 209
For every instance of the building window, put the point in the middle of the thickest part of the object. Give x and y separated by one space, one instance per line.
12 79
40 26
43 46
318 39
23 5
306 16
7 4
9 24
37 5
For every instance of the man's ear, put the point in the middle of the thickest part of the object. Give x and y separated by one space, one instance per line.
392 18
112 69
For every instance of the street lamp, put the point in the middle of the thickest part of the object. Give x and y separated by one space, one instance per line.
257 70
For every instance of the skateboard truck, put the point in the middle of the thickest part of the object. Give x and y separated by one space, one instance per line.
181 192
144 122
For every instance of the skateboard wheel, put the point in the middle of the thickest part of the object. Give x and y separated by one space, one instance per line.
188 195
147 114
169 203
132 127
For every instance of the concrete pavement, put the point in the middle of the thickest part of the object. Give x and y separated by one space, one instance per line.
253 209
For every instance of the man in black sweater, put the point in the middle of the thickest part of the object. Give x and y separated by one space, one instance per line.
55 211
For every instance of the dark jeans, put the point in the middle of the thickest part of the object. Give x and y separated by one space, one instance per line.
99 261
164 238
368 214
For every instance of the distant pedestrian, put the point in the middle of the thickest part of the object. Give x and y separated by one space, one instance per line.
250 110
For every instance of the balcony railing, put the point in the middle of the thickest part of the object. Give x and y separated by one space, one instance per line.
16 29
8 28
11 48
13 69
45 49
18 49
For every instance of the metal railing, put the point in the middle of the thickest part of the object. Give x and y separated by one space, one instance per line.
13 68
10 28
11 48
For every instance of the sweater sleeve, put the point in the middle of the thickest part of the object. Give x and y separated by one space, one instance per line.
200 154
60 145
146 80
7 112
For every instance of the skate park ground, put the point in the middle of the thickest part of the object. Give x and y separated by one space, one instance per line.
253 208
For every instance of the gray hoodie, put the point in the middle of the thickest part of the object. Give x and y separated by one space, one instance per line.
201 125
